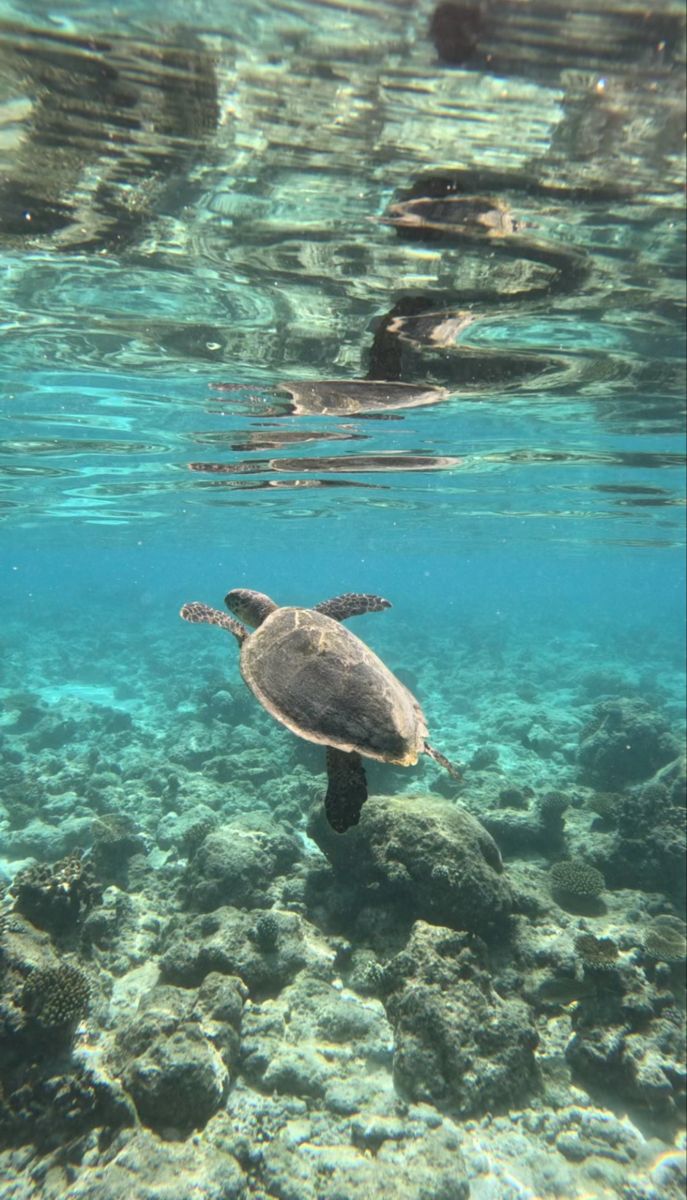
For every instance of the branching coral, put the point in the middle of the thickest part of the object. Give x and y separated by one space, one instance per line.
576 878
56 997
54 897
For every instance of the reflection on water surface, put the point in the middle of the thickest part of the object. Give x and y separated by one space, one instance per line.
462 220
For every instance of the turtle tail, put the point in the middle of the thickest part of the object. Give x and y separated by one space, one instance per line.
454 771
202 614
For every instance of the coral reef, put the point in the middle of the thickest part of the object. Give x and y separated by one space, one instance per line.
597 953
646 845
204 989
116 837
629 1037
225 941
177 1054
238 863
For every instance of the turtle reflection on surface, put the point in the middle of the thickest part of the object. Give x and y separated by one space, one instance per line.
354 463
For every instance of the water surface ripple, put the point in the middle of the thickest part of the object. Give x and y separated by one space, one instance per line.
318 259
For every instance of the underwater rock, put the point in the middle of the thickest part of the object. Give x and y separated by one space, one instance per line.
425 853
186 829
178 1083
116 838
541 740
484 757
238 862
62 1105
46 842
176 1056
302 1042
225 941
122 932
359 1143
673 777
427 1168
625 741
646 847
629 1039
458 1044
48 1097
156 1168
520 826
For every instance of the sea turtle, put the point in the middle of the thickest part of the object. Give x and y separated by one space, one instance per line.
327 686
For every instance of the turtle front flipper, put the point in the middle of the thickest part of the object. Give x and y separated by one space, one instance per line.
346 788
352 604
202 614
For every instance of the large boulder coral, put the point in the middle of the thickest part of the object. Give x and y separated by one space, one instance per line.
458 1044
426 853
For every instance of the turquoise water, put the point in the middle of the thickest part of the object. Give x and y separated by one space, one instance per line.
314 298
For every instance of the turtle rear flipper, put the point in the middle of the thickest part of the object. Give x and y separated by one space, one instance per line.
454 771
198 613
351 604
346 788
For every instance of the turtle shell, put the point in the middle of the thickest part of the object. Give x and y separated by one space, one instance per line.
324 684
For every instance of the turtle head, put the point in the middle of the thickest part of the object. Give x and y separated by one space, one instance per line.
250 607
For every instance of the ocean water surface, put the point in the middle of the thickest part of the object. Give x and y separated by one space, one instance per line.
315 298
